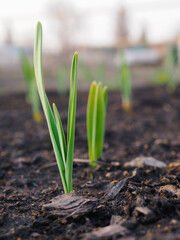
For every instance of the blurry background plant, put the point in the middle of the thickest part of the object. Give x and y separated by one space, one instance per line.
96 115
86 72
168 75
91 73
62 77
101 73
125 84
127 25
31 89
64 151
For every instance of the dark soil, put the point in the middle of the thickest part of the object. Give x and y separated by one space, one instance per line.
29 180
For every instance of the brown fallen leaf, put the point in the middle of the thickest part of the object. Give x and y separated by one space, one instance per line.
119 186
70 205
116 189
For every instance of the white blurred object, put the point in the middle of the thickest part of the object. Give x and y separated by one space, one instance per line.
139 56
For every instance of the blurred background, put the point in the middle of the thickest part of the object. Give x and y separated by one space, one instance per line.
99 30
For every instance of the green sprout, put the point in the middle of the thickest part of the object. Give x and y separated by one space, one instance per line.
96 114
64 152
32 94
62 75
125 84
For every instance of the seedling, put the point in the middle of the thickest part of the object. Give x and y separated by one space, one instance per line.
125 84
64 152
32 94
96 114
62 75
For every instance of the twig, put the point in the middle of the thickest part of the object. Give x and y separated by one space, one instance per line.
82 160
77 160
54 164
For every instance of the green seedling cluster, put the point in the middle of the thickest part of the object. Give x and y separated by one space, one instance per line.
125 84
62 76
32 94
64 151
96 114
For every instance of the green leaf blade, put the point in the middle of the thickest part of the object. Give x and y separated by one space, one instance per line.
96 112
71 122
105 89
90 117
45 104
60 130
98 123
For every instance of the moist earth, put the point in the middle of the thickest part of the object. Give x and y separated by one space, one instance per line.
112 200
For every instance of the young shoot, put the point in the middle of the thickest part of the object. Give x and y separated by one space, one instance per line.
64 150
96 114
32 94
125 84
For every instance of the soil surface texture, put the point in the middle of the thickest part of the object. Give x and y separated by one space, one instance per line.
118 199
